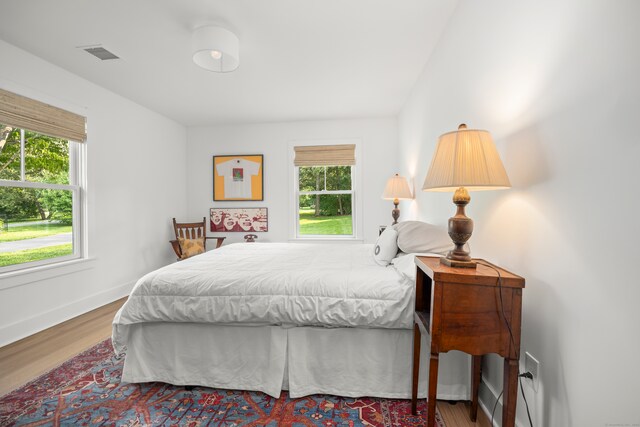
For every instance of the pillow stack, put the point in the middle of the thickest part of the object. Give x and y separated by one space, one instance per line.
421 237
411 237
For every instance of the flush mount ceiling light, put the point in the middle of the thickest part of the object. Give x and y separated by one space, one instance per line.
216 49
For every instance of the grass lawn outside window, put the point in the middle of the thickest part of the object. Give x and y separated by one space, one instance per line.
29 255
33 232
324 225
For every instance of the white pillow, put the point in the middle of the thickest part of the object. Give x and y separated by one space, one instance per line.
386 247
421 237
406 265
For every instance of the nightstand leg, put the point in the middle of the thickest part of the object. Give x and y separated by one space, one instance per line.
433 385
476 372
416 369
510 392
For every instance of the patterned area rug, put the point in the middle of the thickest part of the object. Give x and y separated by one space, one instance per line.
86 391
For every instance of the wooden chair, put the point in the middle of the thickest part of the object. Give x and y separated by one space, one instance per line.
191 230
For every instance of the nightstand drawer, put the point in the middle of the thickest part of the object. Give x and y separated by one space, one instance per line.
471 321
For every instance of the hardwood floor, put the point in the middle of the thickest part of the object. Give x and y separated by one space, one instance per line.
457 415
30 357
24 360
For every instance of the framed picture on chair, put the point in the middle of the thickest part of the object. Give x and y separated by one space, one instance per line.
238 177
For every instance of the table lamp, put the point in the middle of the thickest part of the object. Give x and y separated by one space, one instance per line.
465 159
397 189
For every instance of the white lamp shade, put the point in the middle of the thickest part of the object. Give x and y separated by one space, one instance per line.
216 49
466 158
397 188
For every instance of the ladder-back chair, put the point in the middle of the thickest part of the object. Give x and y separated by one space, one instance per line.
191 230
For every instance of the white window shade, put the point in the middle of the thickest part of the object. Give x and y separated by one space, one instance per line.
325 155
26 113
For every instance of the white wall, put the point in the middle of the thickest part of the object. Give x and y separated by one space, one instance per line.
136 173
379 150
557 85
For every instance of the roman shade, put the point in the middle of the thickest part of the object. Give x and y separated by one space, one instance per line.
325 155
26 113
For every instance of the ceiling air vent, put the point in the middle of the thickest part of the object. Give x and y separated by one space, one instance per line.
100 53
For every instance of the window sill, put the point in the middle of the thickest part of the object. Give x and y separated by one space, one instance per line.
11 279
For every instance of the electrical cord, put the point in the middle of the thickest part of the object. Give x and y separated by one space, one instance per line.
495 405
513 342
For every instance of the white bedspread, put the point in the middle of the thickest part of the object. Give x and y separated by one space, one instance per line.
273 284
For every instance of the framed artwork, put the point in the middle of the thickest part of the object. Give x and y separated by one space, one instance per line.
238 177
238 219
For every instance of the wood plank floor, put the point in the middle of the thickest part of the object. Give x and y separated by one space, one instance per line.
24 360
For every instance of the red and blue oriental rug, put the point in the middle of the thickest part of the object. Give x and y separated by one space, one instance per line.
86 391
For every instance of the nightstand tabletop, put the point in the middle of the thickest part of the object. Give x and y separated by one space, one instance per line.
481 275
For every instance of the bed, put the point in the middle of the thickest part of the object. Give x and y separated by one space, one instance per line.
307 318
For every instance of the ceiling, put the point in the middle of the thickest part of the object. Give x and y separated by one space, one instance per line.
299 59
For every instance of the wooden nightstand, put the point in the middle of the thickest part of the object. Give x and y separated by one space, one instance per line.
461 309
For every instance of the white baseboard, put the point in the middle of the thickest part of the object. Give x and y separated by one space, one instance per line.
24 328
487 390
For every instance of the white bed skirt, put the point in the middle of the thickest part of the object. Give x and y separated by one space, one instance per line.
349 362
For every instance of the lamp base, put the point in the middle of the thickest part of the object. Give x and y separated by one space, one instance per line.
460 229
457 264
395 213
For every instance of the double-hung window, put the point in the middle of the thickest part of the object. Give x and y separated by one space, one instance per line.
325 191
40 183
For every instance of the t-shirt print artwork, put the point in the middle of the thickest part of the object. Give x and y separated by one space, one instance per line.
237 175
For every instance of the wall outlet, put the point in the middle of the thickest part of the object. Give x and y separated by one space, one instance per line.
532 365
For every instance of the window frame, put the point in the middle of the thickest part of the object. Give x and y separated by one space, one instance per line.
355 192
77 185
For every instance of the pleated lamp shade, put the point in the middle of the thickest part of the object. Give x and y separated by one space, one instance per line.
397 188
466 158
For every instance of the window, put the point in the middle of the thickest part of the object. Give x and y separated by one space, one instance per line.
325 201
40 191
324 191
